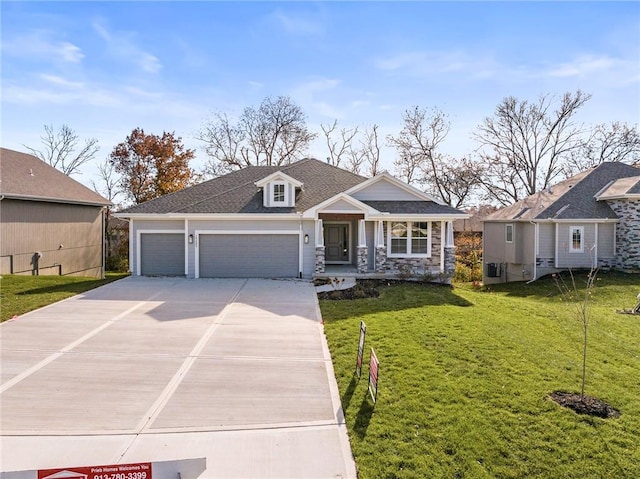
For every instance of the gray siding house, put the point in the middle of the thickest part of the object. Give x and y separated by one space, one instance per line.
49 223
589 220
303 220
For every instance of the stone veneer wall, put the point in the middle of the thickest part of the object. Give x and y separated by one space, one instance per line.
420 266
627 234
319 259
363 260
381 259
449 261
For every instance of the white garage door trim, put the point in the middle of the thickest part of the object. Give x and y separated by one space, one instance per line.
246 232
139 233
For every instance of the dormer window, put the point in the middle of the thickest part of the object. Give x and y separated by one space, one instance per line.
278 192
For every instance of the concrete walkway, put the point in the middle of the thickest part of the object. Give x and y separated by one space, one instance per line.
158 369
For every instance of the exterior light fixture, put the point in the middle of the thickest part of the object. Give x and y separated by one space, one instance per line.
306 239
190 239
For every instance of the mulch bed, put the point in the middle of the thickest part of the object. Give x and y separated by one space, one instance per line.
587 405
359 291
367 288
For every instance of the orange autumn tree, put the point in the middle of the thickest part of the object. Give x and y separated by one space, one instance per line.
151 166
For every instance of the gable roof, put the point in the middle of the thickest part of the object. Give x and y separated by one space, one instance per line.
386 176
278 176
23 176
573 198
237 192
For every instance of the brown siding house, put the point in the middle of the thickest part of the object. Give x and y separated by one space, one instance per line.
49 223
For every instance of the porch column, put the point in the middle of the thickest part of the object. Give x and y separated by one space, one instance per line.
362 248
449 253
381 252
319 247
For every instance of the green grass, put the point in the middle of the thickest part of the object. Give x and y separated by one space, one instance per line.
465 375
21 294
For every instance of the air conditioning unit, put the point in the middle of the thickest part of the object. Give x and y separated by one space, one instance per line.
493 270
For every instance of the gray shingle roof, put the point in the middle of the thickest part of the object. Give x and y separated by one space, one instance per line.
413 208
236 192
573 198
27 177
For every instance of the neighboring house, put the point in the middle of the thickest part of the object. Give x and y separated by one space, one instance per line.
308 219
591 219
472 226
50 223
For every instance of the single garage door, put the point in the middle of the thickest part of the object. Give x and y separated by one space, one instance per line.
162 254
248 256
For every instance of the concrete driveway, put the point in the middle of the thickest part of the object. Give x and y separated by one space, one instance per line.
159 369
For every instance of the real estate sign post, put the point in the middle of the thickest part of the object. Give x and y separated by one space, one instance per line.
363 332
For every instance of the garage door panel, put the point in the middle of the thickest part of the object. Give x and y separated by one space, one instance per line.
162 254
249 256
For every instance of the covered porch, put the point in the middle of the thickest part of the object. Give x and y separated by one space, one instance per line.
351 245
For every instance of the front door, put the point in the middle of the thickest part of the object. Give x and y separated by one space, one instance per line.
336 243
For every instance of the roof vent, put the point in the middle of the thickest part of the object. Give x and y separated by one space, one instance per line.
31 172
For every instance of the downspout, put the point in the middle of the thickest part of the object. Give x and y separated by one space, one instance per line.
535 252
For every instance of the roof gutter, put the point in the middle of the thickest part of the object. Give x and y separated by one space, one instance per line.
12 196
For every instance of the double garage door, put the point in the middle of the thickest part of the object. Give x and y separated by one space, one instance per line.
248 256
221 255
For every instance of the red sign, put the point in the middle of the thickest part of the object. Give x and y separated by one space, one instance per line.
374 370
141 470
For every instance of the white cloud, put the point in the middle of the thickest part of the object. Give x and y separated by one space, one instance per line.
298 24
586 65
59 81
121 45
428 63
40 45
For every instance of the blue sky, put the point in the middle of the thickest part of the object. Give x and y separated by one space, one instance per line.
104 68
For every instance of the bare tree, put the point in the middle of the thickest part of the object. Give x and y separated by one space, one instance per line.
339 147
420 161
61 149
370 147
458 180
273 134
417 143
580 302
524 147
352 148
109 188
614 142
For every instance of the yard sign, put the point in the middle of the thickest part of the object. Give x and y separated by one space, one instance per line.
363 332
374 369
141 470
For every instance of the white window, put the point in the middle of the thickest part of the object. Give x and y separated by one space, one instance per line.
410 238
576 239
508 233
278 193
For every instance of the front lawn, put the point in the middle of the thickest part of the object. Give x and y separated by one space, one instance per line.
465 377
21 294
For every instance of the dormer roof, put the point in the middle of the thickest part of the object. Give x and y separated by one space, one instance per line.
278 176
